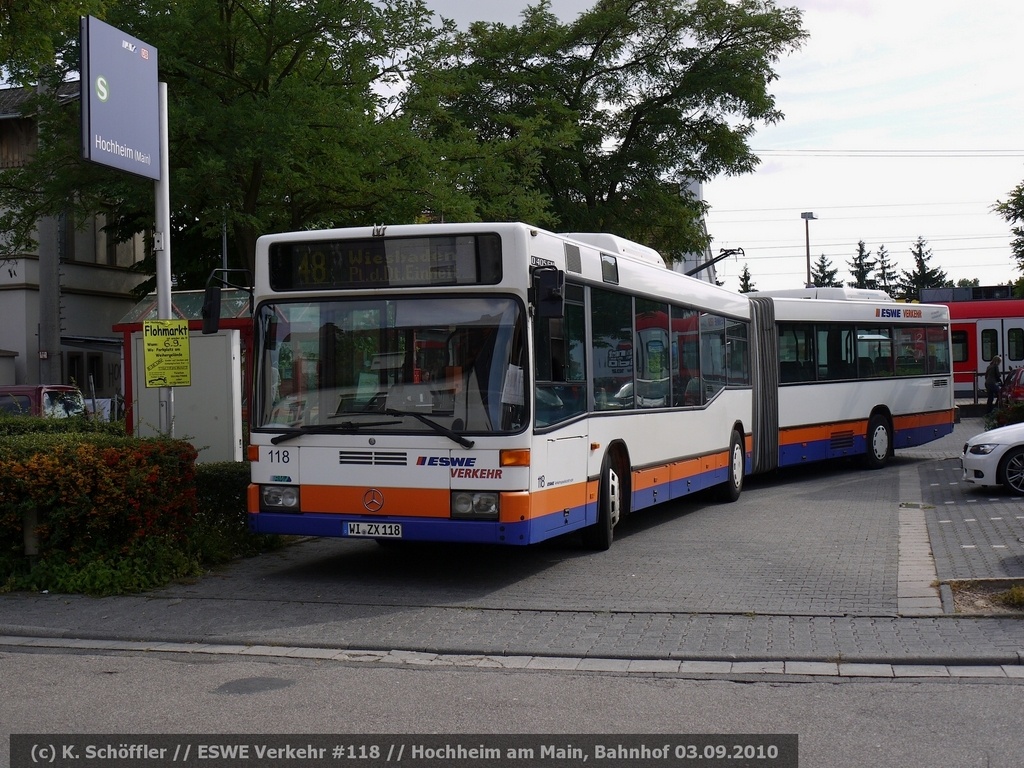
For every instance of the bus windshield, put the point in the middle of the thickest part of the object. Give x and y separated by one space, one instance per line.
438 365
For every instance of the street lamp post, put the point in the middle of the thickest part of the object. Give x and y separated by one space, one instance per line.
807 216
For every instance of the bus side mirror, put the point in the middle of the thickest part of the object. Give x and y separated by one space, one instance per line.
211 309
549 293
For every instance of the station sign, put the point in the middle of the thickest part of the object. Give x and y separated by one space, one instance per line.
120 100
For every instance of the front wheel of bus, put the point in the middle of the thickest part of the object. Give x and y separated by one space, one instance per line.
879 447
733 486
609 505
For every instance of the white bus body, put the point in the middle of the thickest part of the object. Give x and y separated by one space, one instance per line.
859 376
566 445
500 383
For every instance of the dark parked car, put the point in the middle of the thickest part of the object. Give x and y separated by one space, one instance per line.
55 401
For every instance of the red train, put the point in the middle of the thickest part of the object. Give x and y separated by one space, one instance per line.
981 328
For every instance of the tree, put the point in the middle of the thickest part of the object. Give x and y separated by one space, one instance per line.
615 112
37 38
968 282
823 274
34 35
912 281
861 267
746 284
285 117
302 114
1012 211
885 271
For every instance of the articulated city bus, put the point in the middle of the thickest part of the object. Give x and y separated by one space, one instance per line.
499 383
858 374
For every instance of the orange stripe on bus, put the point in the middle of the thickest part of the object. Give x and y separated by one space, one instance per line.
516 507
652 477
560 497
820 432
554 500
684 470
406 502
917 420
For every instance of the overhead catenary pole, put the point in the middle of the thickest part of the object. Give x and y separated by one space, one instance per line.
162 250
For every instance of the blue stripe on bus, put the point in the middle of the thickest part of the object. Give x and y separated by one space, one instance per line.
907 438
822 450
675 489
430 528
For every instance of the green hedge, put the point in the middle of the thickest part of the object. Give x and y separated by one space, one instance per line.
1012 413
23 425
114 514
222 529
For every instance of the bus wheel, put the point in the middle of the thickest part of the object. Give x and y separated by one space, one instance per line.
609 505
879 442
733 487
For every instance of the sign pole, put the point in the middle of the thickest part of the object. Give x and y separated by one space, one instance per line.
162 250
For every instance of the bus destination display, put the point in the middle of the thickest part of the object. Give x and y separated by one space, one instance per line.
385 262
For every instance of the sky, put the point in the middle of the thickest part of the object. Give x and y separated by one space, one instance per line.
903 119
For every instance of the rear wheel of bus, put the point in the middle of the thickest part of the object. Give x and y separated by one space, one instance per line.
879 442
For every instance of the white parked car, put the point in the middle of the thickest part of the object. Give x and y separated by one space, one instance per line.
996 457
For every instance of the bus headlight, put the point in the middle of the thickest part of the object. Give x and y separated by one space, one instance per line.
279 498
475 505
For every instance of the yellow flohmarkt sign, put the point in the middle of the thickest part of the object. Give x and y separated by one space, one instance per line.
166 351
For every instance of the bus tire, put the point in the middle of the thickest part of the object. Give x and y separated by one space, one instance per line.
732 488
879 442
599 536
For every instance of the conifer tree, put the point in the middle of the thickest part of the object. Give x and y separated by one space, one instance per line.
746 284
823 274
885 271
861 267
912 281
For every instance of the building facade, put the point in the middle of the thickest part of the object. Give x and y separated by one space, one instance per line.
77 281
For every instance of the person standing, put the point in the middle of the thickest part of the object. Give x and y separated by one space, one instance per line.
992 377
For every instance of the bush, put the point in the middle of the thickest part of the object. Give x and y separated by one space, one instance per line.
23 425
114 514
1012 598
221 530
1011 413
94 500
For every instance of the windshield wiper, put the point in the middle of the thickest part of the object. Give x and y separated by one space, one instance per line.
356 426
441 429
320 429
